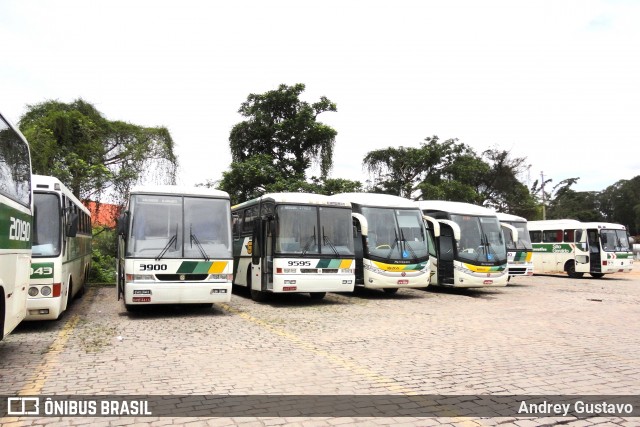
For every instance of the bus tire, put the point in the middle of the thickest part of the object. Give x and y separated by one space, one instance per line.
597 275
570 268
390 291
317 295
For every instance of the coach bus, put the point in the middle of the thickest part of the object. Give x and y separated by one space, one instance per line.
471 247
293 242
390 243
174 247
519 249
61 251
574 247
15 226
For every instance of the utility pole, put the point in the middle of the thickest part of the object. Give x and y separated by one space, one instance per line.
544 202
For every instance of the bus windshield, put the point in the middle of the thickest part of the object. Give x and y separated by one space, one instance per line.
481 239
306 229
524 240
46 229
164 226
615 240
396 234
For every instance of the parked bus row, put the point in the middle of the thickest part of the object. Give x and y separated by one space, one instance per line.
45 238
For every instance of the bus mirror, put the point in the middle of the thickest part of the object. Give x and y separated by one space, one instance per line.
72 226
122 224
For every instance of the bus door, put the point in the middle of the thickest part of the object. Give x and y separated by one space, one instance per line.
582 251
595 256
122 225
446 255
433 233
360 232
269 243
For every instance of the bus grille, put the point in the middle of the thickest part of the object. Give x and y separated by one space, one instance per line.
308 270
181 277
330 270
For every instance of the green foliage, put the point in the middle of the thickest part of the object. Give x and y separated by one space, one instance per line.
103 260
92 155
620 203
284 129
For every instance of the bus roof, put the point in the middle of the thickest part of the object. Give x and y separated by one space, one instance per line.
43 182
178 190
509 217
551 224
455 207
375 200
297 198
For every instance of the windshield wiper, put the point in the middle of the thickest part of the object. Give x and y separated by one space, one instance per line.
193 238
173 239
326 240
406 244
488 247
311 240
395 242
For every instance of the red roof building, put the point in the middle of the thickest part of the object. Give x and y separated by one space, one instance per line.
103 214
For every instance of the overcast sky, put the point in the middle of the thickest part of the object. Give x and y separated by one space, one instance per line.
557 82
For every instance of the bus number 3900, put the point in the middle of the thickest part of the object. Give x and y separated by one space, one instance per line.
153 267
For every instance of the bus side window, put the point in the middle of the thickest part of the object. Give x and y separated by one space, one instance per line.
569 236
536 236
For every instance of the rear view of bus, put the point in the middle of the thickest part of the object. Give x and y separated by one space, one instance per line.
174 247
391 242
61 258
15 226
471 247
519 250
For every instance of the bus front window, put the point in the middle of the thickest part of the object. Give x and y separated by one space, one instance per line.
297 229
395 234
615 240
46 236
336 231
481 239
156 227
206 228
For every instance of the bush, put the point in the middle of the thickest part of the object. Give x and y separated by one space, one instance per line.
103 260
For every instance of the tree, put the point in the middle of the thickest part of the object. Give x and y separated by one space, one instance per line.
620 203
92 155
286 130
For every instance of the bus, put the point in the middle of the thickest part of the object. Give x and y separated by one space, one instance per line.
574 247
293 242
174 247
15 226
519 249
470 246
61 249
390 242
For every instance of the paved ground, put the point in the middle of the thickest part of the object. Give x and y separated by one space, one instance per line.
542 335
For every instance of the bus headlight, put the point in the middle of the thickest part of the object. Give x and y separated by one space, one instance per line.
33 291
46 291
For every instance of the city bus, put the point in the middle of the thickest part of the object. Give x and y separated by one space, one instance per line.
174 247
471 246
574 247
391 242
15 226
519 249
61 251
293 242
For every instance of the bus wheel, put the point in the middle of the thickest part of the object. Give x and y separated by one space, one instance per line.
317 295
571 271
597 275
258 296
390 291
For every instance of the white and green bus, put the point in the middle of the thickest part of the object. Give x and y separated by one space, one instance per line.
61 251
174 247
519 249
293 242
575 247
15 226
471 249
391 242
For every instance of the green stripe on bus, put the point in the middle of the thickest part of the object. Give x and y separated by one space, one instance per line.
12 222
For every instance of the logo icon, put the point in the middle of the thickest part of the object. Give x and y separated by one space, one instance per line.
23 406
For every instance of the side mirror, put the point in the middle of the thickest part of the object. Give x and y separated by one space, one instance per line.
72 225
123 220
